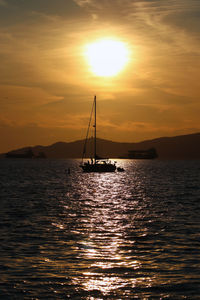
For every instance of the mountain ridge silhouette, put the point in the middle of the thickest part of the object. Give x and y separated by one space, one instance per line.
176 147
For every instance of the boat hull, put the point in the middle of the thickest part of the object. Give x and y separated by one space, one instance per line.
98 168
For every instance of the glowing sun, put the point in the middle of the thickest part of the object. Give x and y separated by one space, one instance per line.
107 57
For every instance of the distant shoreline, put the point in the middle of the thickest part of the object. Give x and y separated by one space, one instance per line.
177 147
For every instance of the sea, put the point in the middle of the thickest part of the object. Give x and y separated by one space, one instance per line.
65 234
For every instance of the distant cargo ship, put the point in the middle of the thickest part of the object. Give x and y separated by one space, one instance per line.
143 154
27 154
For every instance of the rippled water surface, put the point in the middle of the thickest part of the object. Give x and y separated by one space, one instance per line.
131 235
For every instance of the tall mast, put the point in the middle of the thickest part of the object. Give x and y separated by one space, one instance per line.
95 129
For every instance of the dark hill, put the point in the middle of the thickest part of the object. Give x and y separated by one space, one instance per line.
178 147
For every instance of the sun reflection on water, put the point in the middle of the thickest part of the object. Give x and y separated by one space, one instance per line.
107 253
128 235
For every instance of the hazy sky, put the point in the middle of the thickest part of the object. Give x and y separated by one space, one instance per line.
47 88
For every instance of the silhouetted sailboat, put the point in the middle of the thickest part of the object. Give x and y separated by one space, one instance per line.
96 164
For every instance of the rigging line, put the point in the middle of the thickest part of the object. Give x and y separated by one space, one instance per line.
85 144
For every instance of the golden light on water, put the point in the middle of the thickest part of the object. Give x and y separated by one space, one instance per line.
107 57
105 257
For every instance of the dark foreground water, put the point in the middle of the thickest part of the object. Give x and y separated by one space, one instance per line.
131 235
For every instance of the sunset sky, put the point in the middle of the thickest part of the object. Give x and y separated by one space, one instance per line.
47 85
